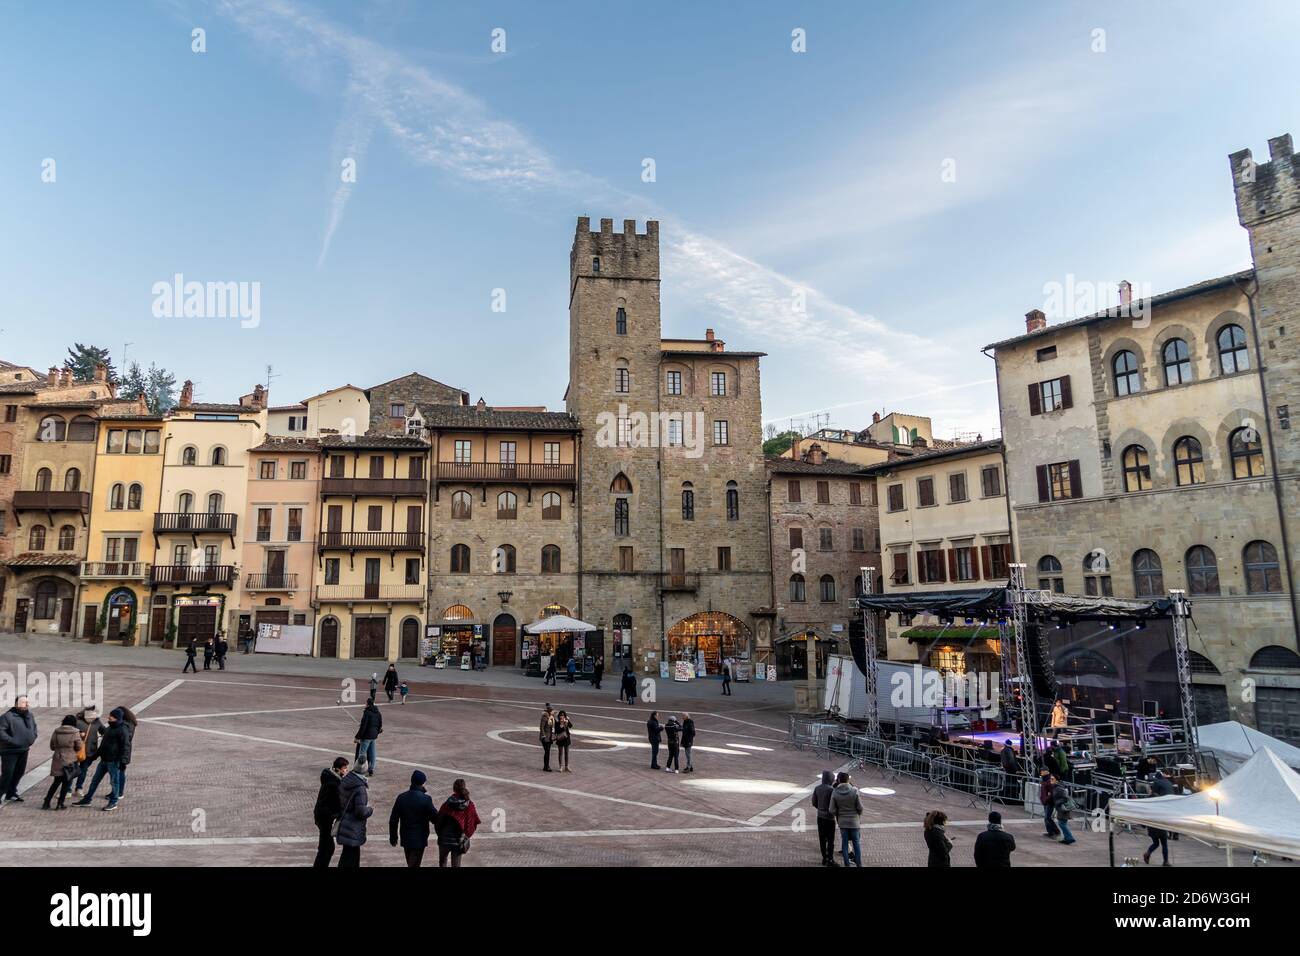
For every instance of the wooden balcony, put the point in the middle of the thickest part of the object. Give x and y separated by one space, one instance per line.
271 582
115 570
370 541
350 593
684 583
486 471
52 501
222 574
198 522
376 487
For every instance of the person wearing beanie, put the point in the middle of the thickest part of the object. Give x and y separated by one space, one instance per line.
92 727
66 744
114 755
993 847
354 801
413 813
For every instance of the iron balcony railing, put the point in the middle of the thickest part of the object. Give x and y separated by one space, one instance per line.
379 487
271 582
369 592
223 574
196 522
52 501
527 473
371 540
123 570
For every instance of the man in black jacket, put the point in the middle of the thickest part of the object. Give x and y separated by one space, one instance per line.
372 725
993 847
208 651
190 653
114 755
328 809
655 731
17 734
821 800
688 740
413 812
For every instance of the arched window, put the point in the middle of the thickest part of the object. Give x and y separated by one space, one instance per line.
218 456
733 501
622 377
620 485
1263 574
462 504
44 478
52 428
47 600
1202 570
135 498
1096 574
550 506
214 503
1148 576
185 502
828 589
1233 355
116 498
688 501
507 505
1189 463
1246 452
72 479
189 455
503 559
857 586
460 559
620 321
551 559
798 593
1275 657
1128 380
82 428
67 538
36 538
1049 574
1137 469
1177 361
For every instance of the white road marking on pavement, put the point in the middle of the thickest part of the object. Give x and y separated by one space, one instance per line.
287 710
629 720
764 816
459 773
41 771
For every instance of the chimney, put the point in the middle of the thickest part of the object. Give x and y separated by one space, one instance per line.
101 372
52 377
875 418
480 405
65 378
259 397
187 393
1125 294
708 335
816 455
1035 320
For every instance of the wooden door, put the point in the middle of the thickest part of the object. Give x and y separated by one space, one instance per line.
90 615
410 638
196 624
371 638
372 579
503 641
329 638
334 526
20 614
115 623
677 567
158 624
275 569
65 616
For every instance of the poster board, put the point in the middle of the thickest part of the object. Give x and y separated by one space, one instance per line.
743 672
683 670
284 639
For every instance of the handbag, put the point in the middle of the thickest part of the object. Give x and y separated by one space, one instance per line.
464 844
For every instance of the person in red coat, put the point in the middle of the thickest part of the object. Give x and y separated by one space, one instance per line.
456 822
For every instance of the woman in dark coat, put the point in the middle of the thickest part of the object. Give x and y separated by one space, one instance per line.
563 738
628 686
936 839
457 820
354 798
391 681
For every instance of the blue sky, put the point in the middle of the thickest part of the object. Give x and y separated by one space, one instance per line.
818 173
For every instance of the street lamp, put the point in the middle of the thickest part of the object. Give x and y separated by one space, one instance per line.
505 597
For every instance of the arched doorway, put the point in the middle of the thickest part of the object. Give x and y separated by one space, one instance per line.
709 638
503 641
410 638
329 637
121 614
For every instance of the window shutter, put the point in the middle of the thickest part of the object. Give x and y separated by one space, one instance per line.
1067 400
1041 471
985 563
940 576
1076 483
900 567
921 568
1035 399
952 564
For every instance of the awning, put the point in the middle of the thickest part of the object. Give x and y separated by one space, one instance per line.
559 623
991 602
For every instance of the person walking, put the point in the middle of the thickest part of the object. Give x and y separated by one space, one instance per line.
674 731
457 820
655 731
546 736
550 672
413 814
598 670
726 680
368 731
208 653
66 744
570 670
17 734
92 728
688 741
327 811
354 811
994 846
191 651
114 755
374 685
847 805
563 738
1064 804
936 839
391 681
1007 758
1058 761
404 689
1049 809
221 649
131 723
628 687
821 801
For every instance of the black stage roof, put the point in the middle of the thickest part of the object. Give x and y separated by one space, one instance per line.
994 602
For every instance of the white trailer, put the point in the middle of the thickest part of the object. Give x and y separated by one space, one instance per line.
910 684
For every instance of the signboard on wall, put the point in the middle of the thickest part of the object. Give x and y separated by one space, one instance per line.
283 639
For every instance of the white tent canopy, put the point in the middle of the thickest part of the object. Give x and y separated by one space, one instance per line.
559 622
1233 744
1258 808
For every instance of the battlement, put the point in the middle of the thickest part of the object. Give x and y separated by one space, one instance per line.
1266 190
618 255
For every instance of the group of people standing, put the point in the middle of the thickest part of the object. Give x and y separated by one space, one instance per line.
213 649
993 847
681 736
838 804
80 740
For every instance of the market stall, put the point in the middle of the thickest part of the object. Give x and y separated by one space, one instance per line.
561 637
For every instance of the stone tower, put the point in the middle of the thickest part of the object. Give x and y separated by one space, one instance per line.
1268 205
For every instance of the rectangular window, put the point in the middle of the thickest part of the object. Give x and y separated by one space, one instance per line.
130 549
929 567
375 518
116 441
900 575
622 381
263 524
620 321
1050 396
796 539
212 555
963 564
823 492
724 559
624 438
331 570
720 433
464 451
793 492
621 521
181 555
673 383
895 497
718 383
924 492
397 410
991 481
135 442
957 487
1059 481
674 433
295 524
412 570
152 439
293 423
376 466
338 467
825 539
625 560
11 413
6 463
298 470
859 539
999 560
1047 353
266 469
551 453
507 453
855 493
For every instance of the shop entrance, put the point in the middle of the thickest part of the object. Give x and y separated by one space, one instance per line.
503 641
707 639
457 640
